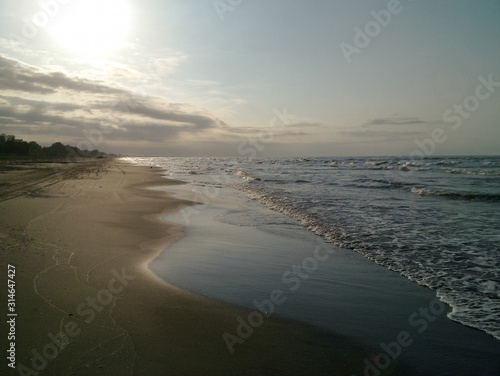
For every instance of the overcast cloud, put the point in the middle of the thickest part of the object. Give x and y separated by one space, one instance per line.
34 101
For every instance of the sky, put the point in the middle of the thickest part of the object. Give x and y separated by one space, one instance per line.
253 78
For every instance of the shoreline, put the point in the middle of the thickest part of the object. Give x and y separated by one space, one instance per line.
87 306
346 293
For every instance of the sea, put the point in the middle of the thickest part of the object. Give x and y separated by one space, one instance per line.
435 220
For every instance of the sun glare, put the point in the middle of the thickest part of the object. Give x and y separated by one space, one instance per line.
93 26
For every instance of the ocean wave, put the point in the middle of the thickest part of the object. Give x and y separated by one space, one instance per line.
391 183
446 162
473 301
298 160
244 175
376 162
458 195
468 171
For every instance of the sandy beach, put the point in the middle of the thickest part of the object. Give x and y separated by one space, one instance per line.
87 304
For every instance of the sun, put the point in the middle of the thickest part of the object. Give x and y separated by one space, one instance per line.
92 26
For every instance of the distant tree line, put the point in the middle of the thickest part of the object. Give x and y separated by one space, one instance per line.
12 146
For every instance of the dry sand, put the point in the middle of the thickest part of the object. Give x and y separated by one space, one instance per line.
81 248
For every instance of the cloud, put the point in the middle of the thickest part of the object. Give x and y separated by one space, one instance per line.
197 121
17 76
37 101
395 121
280 133
387 135
40 116
48 105
388 129
304 124
167 65
17 102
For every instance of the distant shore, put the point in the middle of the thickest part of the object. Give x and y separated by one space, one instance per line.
87 304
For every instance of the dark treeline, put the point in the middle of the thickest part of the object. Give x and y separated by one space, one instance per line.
12 146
